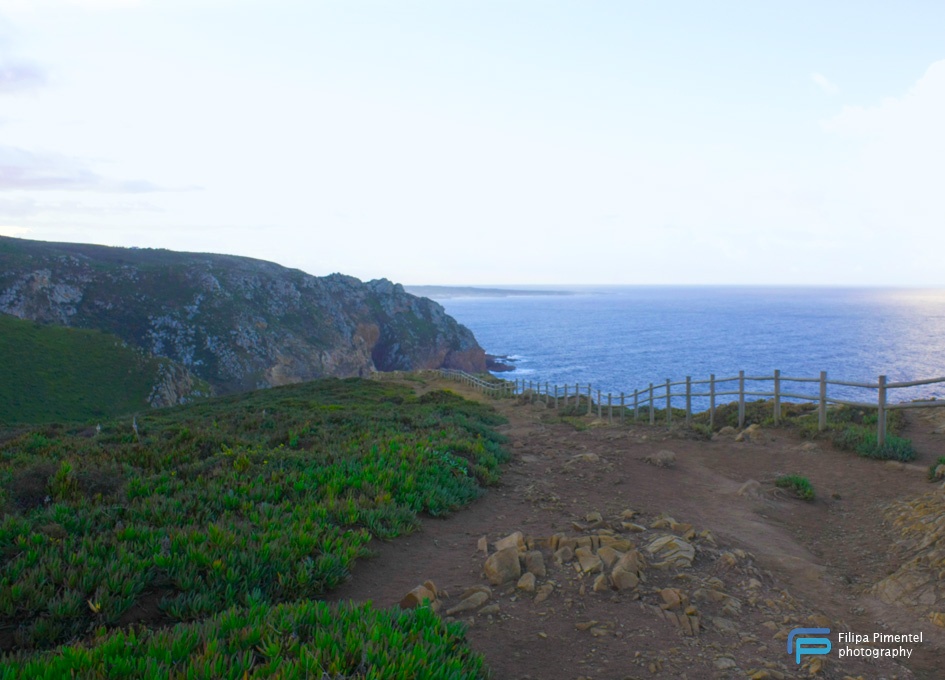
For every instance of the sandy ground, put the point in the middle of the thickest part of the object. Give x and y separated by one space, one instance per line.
769 562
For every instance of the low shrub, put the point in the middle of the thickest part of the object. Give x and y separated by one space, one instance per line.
866 444
801 486
932 476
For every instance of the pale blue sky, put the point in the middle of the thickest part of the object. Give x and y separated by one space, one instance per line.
486 142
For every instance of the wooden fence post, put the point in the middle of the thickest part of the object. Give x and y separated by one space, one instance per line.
777 397
652 412
546 393
881 412
599 405
556 397
610 409
577 397
741 399
589 403
688 400
623 408
565 397
669 405
822 409
636 405
712 401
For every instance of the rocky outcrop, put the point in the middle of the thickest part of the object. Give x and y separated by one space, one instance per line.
918 584
175 385
236 322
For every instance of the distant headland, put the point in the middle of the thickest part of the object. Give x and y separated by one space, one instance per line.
447 292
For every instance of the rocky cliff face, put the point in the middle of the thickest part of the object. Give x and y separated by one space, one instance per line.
235 322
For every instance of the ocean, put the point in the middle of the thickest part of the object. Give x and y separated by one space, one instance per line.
623 338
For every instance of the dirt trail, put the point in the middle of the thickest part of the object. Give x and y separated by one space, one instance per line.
805 564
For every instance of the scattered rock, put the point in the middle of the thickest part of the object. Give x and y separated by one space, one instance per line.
675 551
472 602
601 583
564 555
590 563
661 459
416 597
535 563
483 546
584 458
515 540
752 488
544 591
724 663
608 556
673 598
526 582
503 566
752 433
476 589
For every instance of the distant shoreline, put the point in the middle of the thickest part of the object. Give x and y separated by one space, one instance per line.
447 292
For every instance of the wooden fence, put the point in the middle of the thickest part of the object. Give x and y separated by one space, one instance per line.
633 402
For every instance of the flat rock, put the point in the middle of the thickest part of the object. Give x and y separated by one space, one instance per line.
590 563
472 602
676 551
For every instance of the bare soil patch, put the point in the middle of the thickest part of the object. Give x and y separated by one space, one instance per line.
764 562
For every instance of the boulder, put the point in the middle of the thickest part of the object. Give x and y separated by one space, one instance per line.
503 566
526 582
535 563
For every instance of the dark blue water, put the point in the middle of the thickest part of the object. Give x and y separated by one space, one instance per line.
623 338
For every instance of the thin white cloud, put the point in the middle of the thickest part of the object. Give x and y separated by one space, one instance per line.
916 115
12 230
898 171
16 76
24 170
34 5
824 83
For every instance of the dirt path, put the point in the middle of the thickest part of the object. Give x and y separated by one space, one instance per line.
804 564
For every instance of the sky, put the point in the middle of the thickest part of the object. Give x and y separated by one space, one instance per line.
487 141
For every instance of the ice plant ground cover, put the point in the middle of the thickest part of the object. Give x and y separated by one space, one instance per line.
240 503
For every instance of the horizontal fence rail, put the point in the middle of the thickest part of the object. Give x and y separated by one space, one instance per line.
576 395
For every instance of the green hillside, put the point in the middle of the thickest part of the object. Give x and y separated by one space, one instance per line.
214 526
53 373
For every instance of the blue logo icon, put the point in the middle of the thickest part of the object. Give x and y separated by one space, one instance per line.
808 645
